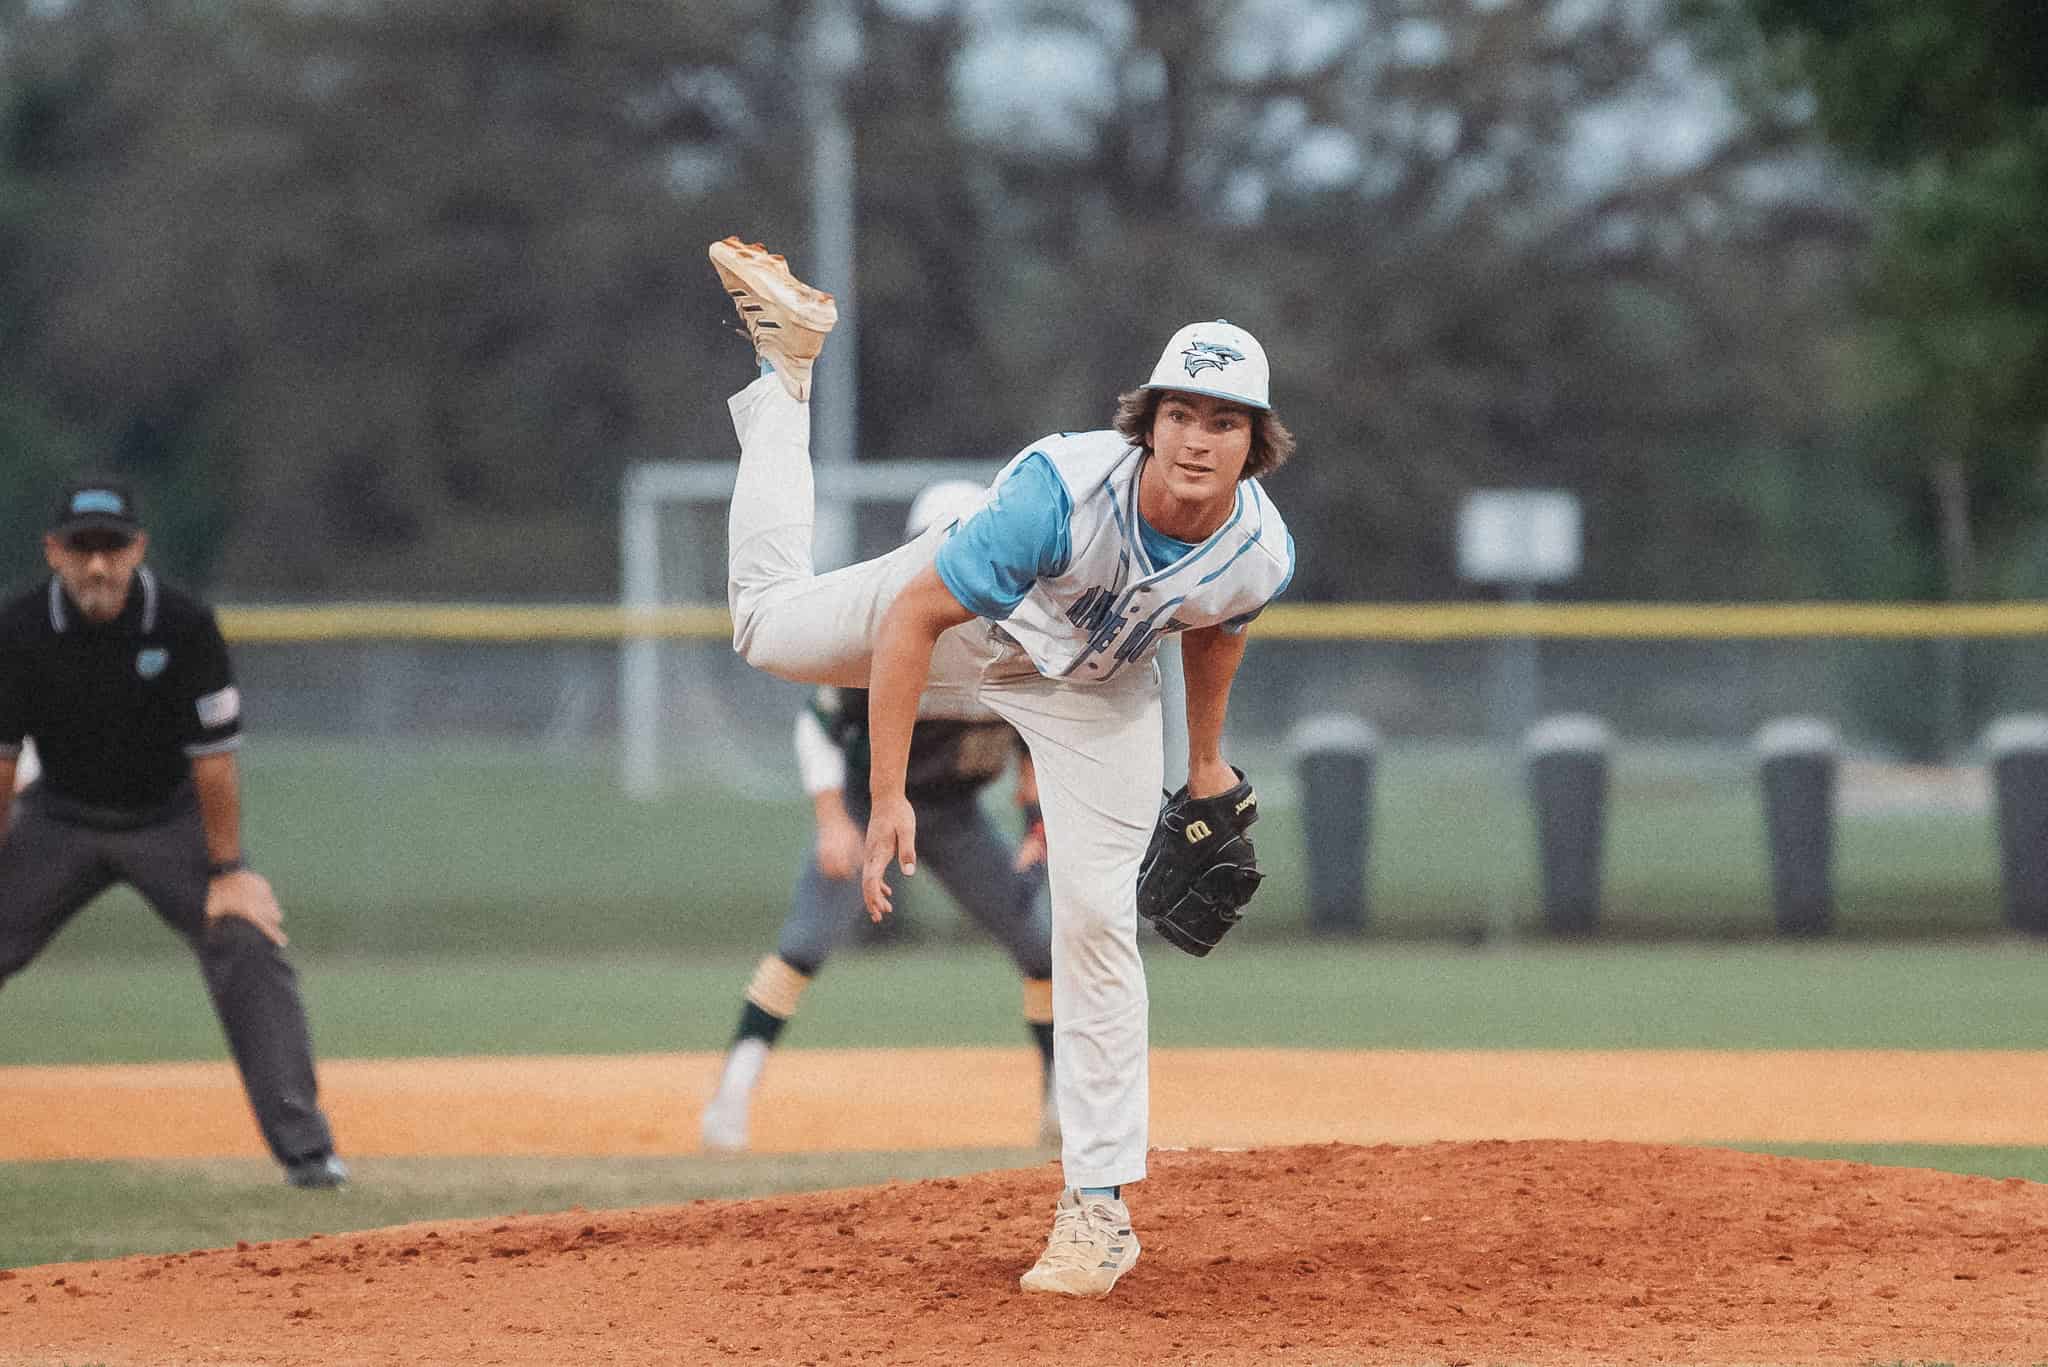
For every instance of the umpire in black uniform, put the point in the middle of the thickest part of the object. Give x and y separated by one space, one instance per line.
124 685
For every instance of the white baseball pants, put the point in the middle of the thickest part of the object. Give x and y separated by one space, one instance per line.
1097 748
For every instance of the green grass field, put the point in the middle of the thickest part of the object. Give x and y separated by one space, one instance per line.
65 1212
1857 996
499 850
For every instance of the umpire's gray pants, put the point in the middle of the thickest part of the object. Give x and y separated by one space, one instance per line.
962 848
51 868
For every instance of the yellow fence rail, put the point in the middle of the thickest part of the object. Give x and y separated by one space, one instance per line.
1412 622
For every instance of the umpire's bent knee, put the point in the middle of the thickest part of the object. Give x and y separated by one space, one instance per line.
227 944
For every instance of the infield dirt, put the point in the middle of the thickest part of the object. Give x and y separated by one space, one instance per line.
1529 1252
1539 1251
841 1099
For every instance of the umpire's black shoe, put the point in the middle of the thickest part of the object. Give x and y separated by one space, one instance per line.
324 1172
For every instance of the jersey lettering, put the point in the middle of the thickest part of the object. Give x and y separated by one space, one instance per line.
1144 636
1092 609
1111 627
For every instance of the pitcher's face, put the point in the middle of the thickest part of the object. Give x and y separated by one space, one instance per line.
1200 444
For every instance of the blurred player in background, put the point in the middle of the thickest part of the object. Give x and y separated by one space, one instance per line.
125 685
952 759
1047 606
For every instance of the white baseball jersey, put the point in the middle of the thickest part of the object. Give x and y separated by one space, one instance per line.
1059 556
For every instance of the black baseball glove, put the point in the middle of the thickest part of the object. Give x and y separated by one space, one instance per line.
1200 868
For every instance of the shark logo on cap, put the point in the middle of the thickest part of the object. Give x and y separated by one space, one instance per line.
1201 356
1216 358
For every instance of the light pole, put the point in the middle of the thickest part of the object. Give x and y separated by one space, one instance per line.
833 53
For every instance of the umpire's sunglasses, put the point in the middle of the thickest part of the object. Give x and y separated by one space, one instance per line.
96 539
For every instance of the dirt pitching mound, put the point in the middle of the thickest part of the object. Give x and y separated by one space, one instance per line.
1534 1252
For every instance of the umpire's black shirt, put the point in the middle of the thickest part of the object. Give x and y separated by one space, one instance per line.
117 709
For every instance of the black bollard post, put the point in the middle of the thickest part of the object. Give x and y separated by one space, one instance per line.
1567 757
1799 757
2018 747
1334 759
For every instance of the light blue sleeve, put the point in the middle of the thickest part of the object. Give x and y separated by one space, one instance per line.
1019 537
1240 622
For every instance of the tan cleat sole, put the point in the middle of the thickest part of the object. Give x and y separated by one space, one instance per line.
750 268
786 319
1069 1281
1060 1277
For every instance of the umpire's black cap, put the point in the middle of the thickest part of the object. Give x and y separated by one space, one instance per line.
96 505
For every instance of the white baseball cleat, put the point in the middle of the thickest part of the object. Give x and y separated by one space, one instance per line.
786 319
1091 1246
723 1126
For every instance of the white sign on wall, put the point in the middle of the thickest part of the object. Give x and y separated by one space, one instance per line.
1518 536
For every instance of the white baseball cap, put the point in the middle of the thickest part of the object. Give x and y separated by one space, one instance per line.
1216 358
943 502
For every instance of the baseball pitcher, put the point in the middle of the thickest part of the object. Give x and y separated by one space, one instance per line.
1046 605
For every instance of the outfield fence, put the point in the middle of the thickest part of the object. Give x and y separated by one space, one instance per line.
1906 682
1358 622
448 778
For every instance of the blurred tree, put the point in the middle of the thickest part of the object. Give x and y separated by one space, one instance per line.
381 298
392 291
1946 105
1486 245
36 451
36 455
1948 102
